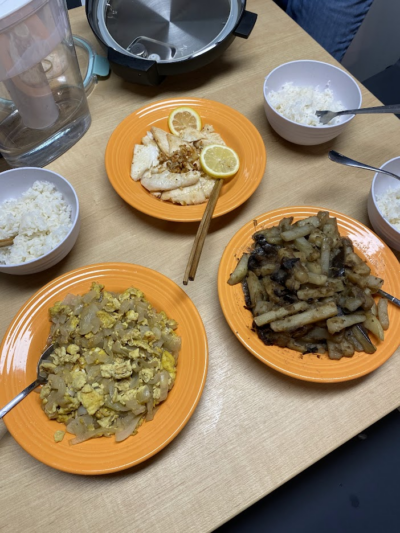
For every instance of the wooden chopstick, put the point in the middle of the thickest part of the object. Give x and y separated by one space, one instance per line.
6 242
201 234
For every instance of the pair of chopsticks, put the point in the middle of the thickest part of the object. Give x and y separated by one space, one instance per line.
201 234
6 242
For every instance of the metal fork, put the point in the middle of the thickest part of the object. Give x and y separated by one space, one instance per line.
327 116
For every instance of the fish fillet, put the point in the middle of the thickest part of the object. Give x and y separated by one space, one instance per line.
149 139
207 185
192 195
166 181
175 143
160 136
144 158
209 137
190 134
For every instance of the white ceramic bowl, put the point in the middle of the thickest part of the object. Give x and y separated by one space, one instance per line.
380 184
306 73
18 180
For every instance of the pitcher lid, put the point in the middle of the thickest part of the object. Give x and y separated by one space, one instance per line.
11 11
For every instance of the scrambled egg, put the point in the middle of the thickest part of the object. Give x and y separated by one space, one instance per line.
59 435
114 362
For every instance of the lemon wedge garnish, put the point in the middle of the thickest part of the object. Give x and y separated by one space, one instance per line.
219 161
183 117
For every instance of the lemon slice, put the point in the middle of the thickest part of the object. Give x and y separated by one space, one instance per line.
183 117
219 161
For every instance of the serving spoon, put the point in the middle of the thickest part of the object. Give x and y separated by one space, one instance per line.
389 297
326 116
41 379
343 160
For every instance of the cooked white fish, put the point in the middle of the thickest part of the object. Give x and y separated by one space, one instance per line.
193 195
148 139
175 143
166 181
160 136
144 158
207 184
190 134
208 137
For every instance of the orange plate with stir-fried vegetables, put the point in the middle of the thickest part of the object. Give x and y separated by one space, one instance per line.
28 334
114 361
235 129
317 367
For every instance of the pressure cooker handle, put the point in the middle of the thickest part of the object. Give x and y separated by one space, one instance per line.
245 25
135 69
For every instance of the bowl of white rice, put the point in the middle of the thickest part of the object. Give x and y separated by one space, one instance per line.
39 209
384 204
294 91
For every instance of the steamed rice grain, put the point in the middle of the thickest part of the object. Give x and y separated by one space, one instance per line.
40 219
301 103
389 205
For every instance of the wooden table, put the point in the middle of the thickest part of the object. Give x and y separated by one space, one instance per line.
254 429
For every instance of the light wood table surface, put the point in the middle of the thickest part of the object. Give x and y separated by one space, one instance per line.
254 428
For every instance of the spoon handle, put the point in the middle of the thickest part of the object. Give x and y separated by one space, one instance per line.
343 160
20 397
394 108
389 297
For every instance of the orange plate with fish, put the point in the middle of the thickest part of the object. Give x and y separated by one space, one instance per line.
236 130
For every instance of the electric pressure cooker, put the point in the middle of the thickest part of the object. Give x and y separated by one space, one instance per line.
147 40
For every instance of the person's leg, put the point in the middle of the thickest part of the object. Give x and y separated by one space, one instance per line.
332 23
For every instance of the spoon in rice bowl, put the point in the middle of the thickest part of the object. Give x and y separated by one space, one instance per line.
41 379
327 116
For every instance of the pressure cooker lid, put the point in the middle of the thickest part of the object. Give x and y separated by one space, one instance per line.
166 30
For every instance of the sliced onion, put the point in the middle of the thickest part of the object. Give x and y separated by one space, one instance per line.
79 425
134 381
116 406
87 317
154 380
89 297
71 300
143 395
90 434
129 427
135 407
164 377
126 305
150 410
172 343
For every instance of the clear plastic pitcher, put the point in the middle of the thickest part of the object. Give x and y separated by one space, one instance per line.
43 106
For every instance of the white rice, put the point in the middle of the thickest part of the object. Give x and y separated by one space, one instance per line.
300 103
389 205
40 218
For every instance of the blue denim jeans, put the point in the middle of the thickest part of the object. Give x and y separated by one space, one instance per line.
332 23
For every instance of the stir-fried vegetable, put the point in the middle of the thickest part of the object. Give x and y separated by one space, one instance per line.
309 291
115 360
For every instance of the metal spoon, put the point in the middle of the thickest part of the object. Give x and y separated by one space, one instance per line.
40 380
389 297
343 160
326 116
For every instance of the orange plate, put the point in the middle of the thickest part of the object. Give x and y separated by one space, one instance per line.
236 130
26 337
309 367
